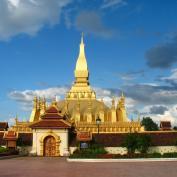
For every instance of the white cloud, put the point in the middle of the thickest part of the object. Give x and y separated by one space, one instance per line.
28 95
172 79
14 2
25 98
113 3
133 106
28 16
169 115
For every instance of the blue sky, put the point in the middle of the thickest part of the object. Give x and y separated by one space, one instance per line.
130 46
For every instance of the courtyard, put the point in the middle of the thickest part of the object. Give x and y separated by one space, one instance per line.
59 167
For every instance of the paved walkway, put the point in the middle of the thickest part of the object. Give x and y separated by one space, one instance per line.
59 167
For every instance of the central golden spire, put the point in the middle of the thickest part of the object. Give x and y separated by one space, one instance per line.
81 70
81 88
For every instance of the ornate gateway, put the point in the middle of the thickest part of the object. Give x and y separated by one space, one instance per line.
49 146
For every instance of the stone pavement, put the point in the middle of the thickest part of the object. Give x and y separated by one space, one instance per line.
59 167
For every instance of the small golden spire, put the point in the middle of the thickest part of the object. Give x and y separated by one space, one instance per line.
16 119
113 103
138 117
43 104
35 102
54 101
39 103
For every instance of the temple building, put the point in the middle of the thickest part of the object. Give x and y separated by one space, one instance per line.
51 124
82 108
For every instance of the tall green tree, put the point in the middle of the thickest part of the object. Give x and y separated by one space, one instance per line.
130 142
143 143
135 141
149 124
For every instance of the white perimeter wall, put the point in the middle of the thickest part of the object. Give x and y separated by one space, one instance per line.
121 150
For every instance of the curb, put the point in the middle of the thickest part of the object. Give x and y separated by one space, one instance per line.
10 157
125 160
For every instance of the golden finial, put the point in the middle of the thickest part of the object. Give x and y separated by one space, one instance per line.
82 38
122 95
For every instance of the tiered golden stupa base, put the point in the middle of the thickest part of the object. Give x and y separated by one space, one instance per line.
107 127
21 127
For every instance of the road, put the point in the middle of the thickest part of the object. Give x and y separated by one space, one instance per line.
59 167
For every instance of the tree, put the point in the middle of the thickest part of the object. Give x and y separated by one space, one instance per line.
175 128
149 124
135 141
130 142
143 143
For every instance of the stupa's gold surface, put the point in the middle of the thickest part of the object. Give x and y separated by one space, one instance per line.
82 108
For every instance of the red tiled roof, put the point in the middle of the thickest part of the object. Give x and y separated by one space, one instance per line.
50 124
10 135
52 118
3 126
165 124
52 109
52 113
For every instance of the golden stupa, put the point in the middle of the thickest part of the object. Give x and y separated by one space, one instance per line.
81 107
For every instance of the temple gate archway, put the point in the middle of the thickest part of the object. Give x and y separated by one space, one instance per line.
49 146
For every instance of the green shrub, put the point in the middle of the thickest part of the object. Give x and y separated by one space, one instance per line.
91 152
130 142
143 143
170 155
134 141
2 149
155 155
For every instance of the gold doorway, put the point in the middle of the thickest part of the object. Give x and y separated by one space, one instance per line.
49 146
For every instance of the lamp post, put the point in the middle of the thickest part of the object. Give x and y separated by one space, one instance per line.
98 122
